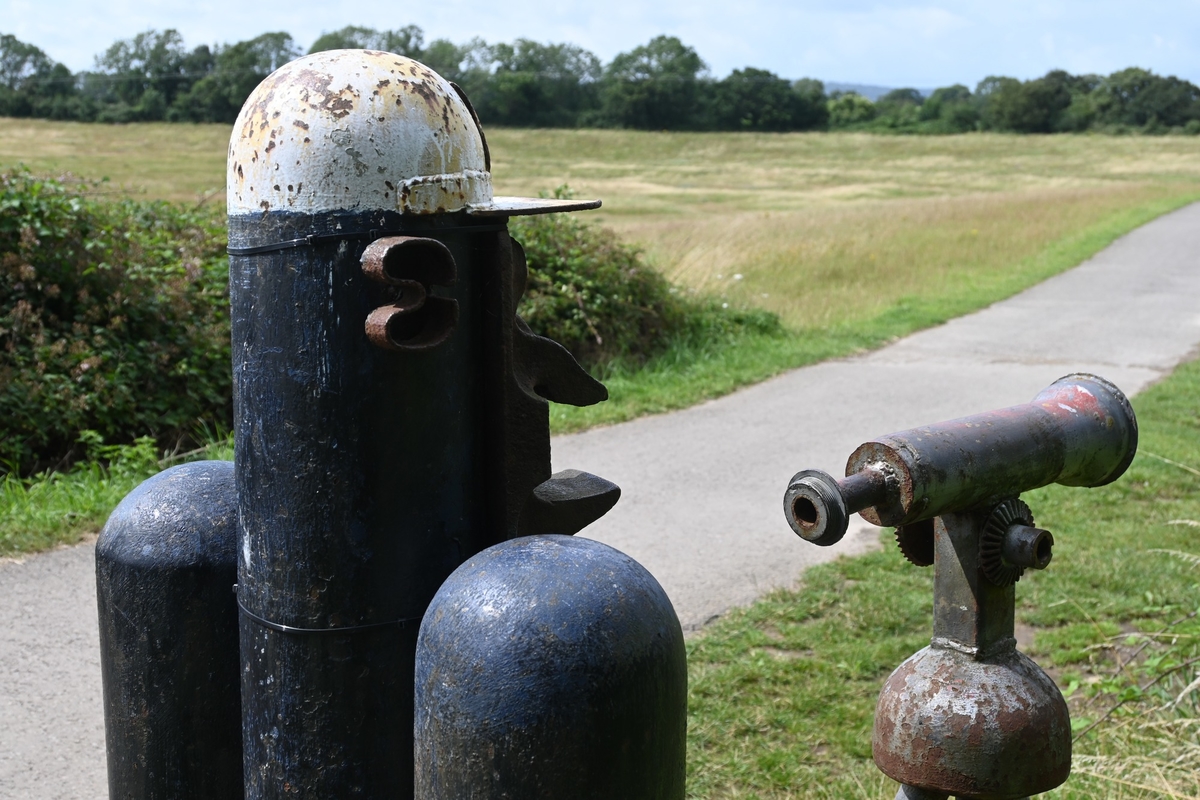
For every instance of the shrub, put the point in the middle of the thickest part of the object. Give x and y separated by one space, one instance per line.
113 318
849 109
599 299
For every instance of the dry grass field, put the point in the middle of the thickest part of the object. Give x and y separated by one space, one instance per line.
827 227
815 226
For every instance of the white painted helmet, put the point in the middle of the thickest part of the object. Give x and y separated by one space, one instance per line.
363 130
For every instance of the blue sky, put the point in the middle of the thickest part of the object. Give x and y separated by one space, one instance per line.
886 43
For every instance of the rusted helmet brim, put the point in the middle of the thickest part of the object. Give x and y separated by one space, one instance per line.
523 206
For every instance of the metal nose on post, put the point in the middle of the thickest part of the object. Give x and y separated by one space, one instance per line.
415 319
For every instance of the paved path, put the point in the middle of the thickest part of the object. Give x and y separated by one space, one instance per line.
703 488
702 502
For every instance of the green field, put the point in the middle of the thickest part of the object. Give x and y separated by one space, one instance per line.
853 239
820 227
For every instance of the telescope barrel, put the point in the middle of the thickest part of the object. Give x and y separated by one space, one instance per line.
1079 431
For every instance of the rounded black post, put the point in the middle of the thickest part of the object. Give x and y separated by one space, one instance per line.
551 667
165 569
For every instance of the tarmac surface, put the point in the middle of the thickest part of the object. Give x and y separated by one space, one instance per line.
702 504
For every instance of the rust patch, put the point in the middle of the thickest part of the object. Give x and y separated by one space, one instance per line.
426 93
299 123
340 105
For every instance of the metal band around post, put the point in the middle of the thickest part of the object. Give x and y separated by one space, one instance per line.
314 239
279 626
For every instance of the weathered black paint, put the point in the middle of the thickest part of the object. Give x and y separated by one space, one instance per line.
366 476
550 667
165 568
360 489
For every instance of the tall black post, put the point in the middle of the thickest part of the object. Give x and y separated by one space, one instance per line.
390 410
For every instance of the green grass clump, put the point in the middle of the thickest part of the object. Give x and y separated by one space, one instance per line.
782 693
58 507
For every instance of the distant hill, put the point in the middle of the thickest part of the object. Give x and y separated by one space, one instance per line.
872 93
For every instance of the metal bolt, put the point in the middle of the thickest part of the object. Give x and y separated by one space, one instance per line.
1027 547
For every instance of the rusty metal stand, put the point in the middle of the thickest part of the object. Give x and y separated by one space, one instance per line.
970 716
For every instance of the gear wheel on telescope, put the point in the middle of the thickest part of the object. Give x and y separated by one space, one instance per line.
916 542
1010 512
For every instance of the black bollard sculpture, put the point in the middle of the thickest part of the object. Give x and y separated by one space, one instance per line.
391 415
391 420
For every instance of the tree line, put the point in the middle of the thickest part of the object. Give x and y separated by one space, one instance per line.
661 85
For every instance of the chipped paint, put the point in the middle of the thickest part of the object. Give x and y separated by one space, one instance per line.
981 729
356 130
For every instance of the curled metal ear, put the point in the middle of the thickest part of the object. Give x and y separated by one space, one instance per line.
416 319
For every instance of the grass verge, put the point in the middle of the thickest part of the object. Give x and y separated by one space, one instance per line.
56 508
782 693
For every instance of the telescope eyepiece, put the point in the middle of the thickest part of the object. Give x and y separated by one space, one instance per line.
815 508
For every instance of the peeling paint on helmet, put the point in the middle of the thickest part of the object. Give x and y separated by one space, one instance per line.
356 130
